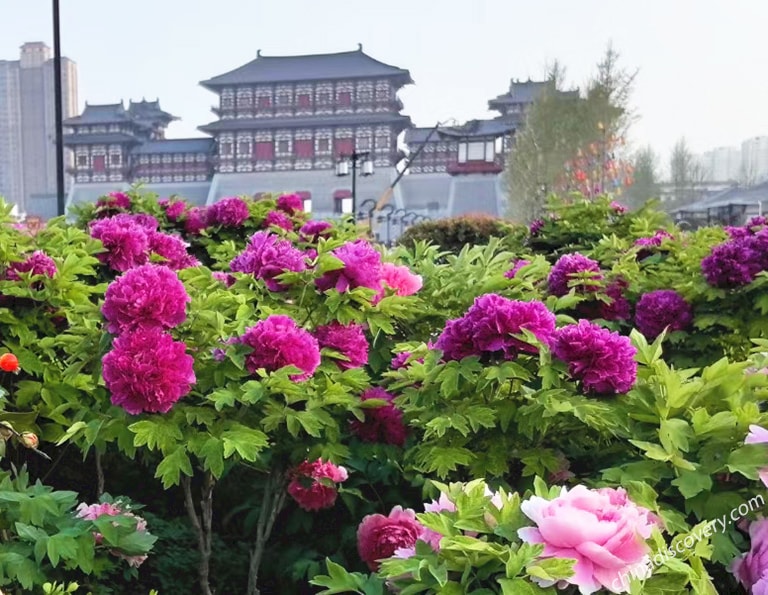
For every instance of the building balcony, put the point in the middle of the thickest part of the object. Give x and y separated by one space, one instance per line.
474 167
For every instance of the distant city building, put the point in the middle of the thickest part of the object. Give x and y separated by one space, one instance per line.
722 164
754 152
27 127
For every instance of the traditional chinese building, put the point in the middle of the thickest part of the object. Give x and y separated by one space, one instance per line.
114 147
286 120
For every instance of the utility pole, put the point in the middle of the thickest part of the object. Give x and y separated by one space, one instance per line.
57 92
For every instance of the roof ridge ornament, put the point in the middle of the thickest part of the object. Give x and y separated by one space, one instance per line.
359 47
258 53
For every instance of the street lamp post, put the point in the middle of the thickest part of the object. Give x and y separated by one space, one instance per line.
59 116
359 215
358 160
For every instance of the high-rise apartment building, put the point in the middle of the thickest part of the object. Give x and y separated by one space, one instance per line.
755 159
27 127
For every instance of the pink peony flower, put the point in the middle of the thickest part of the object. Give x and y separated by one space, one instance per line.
566 268
290 203
400 360
456 340
602 530
536 226
751 569
518 264
267 256
149 296
382 424
95 511
196 220
349 340
399 278
362 268
278 219
228 212
660 309
277 342
38 263
734 263
647 246
314 484
114 200
379 536
603 361
618 207
222 277
758 435
173 249
312 231
126 242
147 371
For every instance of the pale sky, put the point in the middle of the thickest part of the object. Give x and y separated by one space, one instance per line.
702 63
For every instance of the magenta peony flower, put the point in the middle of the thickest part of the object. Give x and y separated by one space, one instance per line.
228 212
456 340
95 511
383 424
314 484
278 219
399 278
290 203
518 264
751 569
173 209
660 309
114 200
362 268
648 244
277 342
732 264
312 231
603 530
173 249
602 360
400 360
267 256
758 435
38 263
535 227
196 220
493 325
349 340
495 319
379 536
619 308
149 296
125 241
147 371
224 278
566 267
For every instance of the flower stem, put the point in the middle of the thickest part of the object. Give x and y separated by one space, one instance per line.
202 525
271 505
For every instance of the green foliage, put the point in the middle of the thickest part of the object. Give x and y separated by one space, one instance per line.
453 234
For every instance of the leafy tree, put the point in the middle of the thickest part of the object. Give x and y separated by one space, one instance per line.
686 174
563 127
646 185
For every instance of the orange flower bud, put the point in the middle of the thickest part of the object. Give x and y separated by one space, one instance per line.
29 440
9 362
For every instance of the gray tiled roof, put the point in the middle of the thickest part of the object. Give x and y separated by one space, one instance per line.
306 122
100 114
478 128
175 145
99 139
737 196
275 69
148 110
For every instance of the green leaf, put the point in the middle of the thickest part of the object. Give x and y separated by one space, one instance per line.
520 586
212 453
247 442
748 460
691 483
158 433
170 468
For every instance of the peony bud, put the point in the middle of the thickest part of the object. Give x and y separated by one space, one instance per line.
29 440
9 362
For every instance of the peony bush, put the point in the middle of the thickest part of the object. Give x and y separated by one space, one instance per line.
589 392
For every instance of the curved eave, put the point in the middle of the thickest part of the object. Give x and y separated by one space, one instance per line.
216 85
